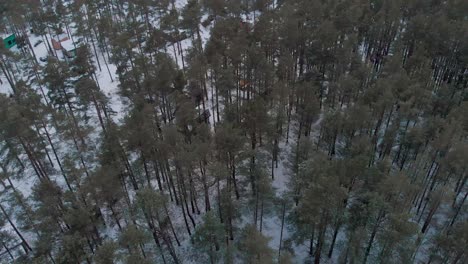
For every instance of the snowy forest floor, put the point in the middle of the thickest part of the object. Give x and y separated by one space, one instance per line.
272 228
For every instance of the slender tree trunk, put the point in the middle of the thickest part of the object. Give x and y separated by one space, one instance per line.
8 77
171 182
8 250
311 243
459 209
261 215
114 215
372 237
183 194
429 218
335 234
26 245
320 240
56 156
155 235
158 176
170 224
236 190
205 188
183 210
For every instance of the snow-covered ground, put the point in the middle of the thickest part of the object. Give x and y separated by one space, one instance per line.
109 85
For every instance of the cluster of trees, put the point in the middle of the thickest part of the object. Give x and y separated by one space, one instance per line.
363 101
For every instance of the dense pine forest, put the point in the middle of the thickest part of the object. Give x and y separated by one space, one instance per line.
234 131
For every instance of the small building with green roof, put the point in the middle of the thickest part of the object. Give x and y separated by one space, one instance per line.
9 40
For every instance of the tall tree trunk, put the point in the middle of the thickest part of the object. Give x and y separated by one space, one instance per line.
335 234
283 213
320 239
458 209
205 188
25 243
372 237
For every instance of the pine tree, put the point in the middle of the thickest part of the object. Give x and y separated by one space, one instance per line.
255 246
209 237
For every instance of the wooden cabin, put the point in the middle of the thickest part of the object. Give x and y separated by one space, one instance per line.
69 48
